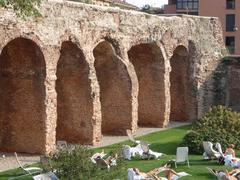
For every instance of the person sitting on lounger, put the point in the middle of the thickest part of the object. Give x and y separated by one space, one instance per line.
112 161
230 151
97 156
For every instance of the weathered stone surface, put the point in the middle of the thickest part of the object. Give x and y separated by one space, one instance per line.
74 102
115 90
149 66
233 87
77 97
227 84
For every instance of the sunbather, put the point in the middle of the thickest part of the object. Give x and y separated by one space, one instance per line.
98 158
232 175
229 158
230 151
153 173
112 161
129 152
97 155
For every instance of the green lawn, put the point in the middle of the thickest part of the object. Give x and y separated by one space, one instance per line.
166 142
14 173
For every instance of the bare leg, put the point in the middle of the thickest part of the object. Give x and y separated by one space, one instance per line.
169 173
229 176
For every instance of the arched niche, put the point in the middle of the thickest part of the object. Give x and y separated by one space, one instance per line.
22 97
115 90
148 63
74 101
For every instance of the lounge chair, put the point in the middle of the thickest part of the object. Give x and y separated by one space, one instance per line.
181 156
145 149
97 155
209 152
61 145
148 153
218 175
126 151
129 152
101 163
133 176
219 148
131 138
142 150
46 176
27 170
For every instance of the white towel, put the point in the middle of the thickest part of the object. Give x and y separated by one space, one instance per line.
155 154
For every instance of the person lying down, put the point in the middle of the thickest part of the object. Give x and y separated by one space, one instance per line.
100 157
225 175
136 174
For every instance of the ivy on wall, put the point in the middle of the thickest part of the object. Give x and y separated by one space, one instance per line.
22 7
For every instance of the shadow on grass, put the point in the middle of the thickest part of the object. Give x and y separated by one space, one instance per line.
166 148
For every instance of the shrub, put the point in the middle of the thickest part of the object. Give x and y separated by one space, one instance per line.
76 164
193 140
220 124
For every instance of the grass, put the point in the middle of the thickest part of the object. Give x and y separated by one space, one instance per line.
14 173
166 142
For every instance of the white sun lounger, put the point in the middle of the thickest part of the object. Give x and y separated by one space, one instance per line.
209 152
46 176
181 156
27 170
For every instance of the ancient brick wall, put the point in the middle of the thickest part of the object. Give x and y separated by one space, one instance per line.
233 87
91 70
230 84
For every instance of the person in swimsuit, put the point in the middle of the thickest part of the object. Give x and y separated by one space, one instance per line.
153 173
230 151
232 175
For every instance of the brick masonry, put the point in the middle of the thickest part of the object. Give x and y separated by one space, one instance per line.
81 71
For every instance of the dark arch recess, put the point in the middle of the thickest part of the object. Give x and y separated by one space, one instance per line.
115 90
74 102
183 95
22 97
149 66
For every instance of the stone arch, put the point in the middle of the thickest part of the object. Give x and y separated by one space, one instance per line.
182 93
22 97
74 102
148 62
115 90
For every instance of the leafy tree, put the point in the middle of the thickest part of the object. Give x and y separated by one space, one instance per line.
22 7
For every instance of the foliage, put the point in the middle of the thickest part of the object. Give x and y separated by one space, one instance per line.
193 140
219 83
76 164
229 59
221 125
152 10
22 7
